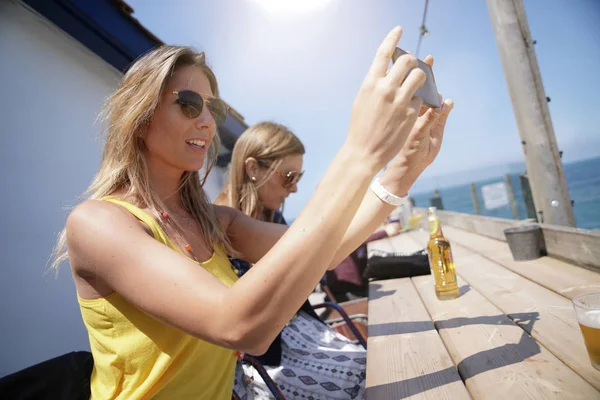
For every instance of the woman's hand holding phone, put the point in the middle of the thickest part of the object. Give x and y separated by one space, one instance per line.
421 147
386 108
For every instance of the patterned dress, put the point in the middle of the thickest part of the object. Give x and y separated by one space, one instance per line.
317 363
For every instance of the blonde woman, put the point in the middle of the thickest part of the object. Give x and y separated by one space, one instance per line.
164 310
266 165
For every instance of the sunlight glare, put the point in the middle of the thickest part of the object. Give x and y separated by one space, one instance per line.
291 7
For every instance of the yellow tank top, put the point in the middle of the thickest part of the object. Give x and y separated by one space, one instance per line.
139 357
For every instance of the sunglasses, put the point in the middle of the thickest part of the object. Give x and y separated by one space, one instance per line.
290 178
192 103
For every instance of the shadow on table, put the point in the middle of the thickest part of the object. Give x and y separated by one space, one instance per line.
463 289
376 291
508 354
400 328
413 386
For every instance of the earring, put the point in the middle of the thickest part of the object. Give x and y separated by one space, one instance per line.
253 179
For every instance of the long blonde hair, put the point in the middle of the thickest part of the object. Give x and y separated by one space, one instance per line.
267 142
127 113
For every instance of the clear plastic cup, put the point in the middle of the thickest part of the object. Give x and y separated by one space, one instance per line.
587 308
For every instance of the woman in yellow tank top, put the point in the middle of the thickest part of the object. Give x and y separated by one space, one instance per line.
164 310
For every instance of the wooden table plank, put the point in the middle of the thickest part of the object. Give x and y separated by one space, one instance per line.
496 358
557 327
403 243
406 358
556 275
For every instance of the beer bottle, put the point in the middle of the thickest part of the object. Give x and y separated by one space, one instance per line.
440 260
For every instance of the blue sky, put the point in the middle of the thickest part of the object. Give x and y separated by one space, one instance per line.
304 68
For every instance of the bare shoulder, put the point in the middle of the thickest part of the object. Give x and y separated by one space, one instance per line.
94 225
226 215
95 214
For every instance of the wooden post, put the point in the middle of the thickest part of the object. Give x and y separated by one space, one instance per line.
527 198
436 200
475 199
544 167
511 196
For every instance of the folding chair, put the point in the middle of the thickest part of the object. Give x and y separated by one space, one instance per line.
271 385
265 376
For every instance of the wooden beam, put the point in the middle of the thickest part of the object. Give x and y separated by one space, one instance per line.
578 246
487 226
544 166
475 199
511 196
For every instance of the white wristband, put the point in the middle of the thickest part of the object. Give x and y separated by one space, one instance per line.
384 195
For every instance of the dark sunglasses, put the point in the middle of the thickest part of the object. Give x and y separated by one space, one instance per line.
290 178
192 103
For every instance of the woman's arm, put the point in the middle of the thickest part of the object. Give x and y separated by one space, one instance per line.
418 152
398 178
242 229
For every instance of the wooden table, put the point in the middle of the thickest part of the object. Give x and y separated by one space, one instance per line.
512 334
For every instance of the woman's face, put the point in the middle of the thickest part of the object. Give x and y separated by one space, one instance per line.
272 193
174 140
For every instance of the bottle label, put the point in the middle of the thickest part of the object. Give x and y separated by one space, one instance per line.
434 227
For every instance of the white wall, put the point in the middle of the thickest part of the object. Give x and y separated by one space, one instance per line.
215 181
51 89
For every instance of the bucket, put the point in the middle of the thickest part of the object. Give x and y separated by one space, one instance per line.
525 242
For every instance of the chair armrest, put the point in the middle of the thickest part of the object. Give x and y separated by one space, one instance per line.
265 376
340 310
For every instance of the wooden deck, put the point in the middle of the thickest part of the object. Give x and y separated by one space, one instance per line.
512 334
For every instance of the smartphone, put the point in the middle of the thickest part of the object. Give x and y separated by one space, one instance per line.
428 92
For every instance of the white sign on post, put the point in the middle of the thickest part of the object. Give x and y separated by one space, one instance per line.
495 195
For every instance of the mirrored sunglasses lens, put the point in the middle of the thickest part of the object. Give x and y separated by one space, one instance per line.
190 103
298 176
290 179
188 96
189 110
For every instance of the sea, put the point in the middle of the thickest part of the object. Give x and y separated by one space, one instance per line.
583 181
